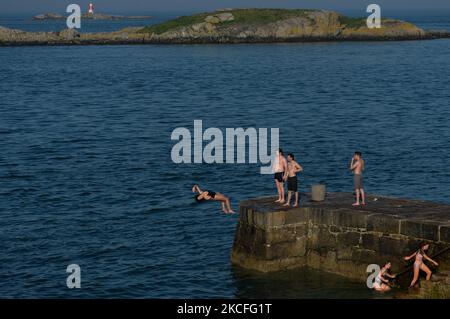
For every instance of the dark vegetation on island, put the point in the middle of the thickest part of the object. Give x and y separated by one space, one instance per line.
89 16
241 17
229 26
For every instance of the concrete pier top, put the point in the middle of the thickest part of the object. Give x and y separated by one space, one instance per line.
334 236
425 211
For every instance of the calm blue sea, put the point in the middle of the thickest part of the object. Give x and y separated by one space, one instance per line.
86 175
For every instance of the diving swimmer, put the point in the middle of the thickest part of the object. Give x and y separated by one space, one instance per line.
202 196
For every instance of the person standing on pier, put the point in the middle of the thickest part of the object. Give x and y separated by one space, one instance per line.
357 165
291 176
279 167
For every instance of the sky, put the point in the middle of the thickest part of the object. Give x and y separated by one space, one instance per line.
149 6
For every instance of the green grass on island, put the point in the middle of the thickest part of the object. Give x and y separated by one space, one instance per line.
250 17
352 23
241 16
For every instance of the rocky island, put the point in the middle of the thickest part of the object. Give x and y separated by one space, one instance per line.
90 16
235 26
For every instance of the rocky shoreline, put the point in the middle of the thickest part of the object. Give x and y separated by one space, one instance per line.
90 16
234 26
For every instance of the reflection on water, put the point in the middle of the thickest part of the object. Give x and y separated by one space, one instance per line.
302 283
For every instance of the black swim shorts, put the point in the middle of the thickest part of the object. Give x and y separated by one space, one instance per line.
279 176
292 184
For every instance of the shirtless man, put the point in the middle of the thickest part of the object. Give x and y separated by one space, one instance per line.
291 175
357 166
279 168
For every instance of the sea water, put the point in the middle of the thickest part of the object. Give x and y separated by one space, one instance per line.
86 175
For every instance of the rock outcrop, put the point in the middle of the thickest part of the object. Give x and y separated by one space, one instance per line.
307 26
235 26
219 18
13 37
18 37
436 288
49 16
69 34
91 16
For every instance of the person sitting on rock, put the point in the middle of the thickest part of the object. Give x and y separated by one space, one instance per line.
381 283
419 264
209 195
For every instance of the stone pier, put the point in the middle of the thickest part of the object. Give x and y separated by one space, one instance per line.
335 237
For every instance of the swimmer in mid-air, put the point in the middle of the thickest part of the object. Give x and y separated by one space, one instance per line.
209 195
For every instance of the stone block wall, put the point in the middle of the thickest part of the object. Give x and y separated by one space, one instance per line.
337 240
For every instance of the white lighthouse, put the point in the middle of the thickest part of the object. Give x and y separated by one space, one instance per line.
91 8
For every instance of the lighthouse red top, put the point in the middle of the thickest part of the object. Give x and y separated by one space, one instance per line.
91 8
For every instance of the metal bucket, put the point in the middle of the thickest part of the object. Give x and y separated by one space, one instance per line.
318 192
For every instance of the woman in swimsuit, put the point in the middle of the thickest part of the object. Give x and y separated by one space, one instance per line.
209 195
419 264
380 283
